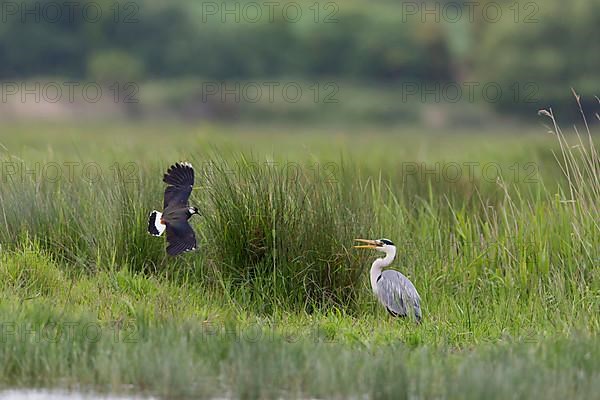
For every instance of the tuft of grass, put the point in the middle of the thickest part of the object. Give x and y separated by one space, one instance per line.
282 238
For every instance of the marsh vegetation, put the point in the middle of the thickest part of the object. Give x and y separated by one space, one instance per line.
276 303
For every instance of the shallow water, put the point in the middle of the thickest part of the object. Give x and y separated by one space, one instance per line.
62 395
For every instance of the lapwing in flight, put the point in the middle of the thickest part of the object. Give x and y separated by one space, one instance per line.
177 211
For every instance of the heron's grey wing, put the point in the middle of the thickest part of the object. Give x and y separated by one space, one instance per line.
180 180
396 292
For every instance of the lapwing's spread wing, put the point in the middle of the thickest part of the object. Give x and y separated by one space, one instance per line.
180 236
180 178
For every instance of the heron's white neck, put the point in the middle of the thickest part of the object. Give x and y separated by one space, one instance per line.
380 263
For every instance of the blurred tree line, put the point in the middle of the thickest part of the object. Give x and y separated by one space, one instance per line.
551 45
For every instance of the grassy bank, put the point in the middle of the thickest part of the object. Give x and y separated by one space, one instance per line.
195 360
120 332
276 302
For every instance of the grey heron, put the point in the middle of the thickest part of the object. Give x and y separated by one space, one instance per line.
394 290
177 211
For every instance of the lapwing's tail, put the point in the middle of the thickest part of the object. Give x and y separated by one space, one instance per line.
155 226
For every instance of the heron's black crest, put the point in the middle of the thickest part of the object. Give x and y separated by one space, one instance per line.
387 241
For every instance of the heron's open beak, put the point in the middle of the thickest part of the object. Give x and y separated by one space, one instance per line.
371 244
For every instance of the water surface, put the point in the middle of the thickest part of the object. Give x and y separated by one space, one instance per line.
62 395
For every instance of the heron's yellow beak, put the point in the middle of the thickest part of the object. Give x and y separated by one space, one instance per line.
371 244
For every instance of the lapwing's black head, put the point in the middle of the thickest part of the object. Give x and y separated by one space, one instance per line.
193 210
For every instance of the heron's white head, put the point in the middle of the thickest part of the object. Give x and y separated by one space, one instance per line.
384 245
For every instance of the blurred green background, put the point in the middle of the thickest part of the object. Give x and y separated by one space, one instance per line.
442 63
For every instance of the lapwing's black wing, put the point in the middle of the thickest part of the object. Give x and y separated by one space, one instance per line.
180 179
181 237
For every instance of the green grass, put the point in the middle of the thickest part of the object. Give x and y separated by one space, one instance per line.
276 302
